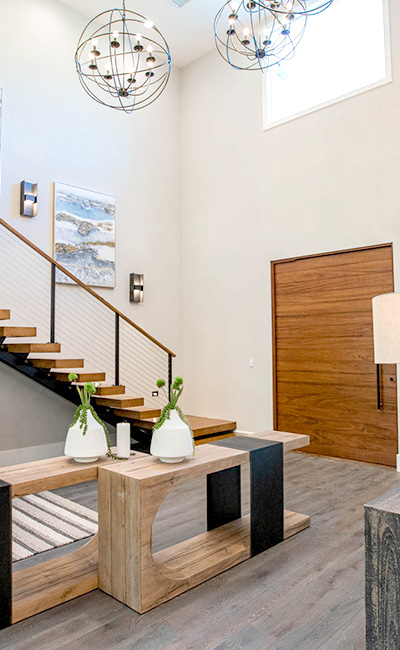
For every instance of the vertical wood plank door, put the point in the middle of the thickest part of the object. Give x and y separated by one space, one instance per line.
325 380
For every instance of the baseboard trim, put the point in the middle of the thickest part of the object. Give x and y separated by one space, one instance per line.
28 454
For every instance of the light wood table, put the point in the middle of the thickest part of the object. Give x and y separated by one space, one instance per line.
32 590
131 493
119 559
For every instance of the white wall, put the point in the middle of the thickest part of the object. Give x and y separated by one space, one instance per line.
326 181
323 182
52 131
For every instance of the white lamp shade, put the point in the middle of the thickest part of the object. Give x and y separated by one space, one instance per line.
386 320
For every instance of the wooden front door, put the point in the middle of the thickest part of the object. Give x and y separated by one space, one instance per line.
325 380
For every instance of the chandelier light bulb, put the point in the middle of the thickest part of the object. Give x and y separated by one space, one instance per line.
149 48
138 38
115 35
148 24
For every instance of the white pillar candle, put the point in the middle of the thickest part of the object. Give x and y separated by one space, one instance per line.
123 439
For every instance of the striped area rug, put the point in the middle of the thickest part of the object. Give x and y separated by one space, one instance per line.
44 521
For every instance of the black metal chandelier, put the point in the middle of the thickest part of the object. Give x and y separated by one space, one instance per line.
257 34
122 60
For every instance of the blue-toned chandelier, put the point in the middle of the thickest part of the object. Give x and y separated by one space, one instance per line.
257 34
123 61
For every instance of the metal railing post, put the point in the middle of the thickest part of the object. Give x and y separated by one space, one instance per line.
53 305
116 349
169 373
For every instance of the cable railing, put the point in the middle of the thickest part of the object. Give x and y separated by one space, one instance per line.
84 323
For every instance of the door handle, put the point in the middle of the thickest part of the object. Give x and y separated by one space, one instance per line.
378 388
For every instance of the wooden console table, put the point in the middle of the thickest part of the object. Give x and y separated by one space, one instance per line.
119 559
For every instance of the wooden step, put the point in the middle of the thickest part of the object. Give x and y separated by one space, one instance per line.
206 439
28 348
9 331
57 363
119 401
201 427
5 314
138 413
61 375
108 389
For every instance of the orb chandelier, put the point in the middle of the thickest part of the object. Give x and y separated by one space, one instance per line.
122 60
257 34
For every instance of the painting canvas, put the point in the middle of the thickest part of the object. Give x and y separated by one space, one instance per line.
84 235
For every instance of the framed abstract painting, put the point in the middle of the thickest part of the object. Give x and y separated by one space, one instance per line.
84 235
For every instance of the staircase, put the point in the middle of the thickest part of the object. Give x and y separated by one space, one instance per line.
21 349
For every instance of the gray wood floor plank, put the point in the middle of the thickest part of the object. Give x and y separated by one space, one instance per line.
124 633
71 629
305 594
248 637
350 636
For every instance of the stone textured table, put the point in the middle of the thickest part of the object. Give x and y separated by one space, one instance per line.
382 571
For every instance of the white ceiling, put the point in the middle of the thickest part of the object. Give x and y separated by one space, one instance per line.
188 31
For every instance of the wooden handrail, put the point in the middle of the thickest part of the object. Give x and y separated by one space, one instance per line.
84 286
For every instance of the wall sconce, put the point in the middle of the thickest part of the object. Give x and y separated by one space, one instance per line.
28 206
136 282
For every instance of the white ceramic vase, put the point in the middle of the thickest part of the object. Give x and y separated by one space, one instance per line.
86 448
172 442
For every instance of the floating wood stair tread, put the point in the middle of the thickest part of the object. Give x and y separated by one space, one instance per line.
207 426
62 375
200 426
5 314
108 389
57 363
119 401
214 438
139 412
51 583
9 331
29 348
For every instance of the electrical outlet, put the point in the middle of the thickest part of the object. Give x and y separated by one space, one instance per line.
154 393
251 362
